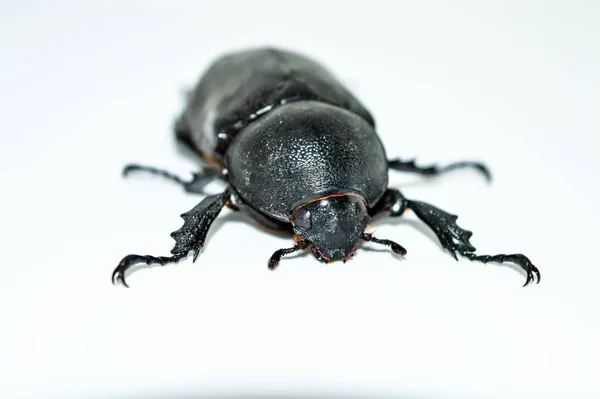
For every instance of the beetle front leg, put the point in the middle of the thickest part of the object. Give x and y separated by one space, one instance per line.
195 185
452 237
434 170
190 237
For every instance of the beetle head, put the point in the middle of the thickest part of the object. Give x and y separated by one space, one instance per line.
333 224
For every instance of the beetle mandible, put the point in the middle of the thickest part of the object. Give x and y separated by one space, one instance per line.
299 153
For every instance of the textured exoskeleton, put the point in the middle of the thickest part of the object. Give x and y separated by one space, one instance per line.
300 153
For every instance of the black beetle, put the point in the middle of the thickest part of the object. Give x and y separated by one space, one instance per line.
299 152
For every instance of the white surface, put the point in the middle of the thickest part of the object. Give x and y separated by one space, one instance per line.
88 87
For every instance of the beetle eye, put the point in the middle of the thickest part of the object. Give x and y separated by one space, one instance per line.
302 219
360 208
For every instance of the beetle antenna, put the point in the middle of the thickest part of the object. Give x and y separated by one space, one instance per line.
397 248
276 257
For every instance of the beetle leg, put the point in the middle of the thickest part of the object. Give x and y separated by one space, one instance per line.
196 185
190 237
392 202
434 170
453 238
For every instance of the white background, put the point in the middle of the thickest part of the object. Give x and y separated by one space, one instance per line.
89 86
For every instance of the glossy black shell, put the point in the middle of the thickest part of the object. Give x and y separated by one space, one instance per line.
285 129
239 88
304 150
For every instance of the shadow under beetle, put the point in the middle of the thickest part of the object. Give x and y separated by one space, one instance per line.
299 153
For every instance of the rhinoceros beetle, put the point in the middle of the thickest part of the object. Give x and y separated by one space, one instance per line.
298 153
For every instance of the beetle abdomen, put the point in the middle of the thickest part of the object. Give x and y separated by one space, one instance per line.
241 87
302 150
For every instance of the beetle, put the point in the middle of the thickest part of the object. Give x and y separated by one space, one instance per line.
299 153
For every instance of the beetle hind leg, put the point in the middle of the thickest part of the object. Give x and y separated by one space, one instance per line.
195 185
434 170
190 237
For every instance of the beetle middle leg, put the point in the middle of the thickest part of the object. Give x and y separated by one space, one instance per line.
452 237
434 170
190 237
195 185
